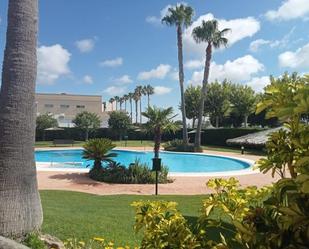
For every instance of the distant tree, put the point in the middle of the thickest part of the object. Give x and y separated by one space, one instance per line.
242 98
121 100
139 91
149 90
111 101
192 100
87 121
136 98
130 96
217 103
209 33
125 99
159 121
116 98
119 122
45 121
181 17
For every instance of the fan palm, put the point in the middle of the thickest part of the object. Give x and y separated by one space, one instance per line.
125 99
116 98
149 90
111 101
209 33
130 96
20 206
181 17
136 98
159 121
98 149
139 92
121 100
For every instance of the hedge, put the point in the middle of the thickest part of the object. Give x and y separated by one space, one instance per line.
216 137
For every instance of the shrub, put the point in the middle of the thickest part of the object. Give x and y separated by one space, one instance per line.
178 145
136 173
33 241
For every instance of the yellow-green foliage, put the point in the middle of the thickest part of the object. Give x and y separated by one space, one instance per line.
163 226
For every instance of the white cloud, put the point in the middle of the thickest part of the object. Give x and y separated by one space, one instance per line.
174 75
157 73
297 59
258 83
124 79
161 90
115 90
240 29
156 20
87 79
289 9
85 45
194 64
52 63
255 45
240 69
112 62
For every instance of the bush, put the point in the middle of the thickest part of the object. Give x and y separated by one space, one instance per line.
177 145
136 173
33 241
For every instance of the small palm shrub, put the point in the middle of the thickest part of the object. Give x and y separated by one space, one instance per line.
136 173
178 145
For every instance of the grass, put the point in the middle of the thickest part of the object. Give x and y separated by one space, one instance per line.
84 216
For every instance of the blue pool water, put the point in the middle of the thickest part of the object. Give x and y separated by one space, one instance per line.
176 162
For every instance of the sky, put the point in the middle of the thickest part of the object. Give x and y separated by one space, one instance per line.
106 47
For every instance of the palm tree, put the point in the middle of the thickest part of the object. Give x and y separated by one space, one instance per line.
116 98
98 150
181 17
208 32
149 90
159 121
130 96
121 100
20 205
125 99
139 92
111 101
136 98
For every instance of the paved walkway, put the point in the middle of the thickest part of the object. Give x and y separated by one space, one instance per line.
182 185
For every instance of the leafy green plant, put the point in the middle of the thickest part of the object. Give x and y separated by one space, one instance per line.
87 121
178 145
135 173
98 150
33 241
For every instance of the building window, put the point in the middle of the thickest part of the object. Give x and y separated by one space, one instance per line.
80 106
64 106
49 105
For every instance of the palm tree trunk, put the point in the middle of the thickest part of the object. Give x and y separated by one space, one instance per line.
157 142
86 135
181 84
217 122
136 111
131 111
246 121
116 106
197 143
140 110
148 96
20 205
193 123
125 106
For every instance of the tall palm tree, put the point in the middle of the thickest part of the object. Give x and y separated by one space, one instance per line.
111 101
116 98
181 17
125 99
136 98
139 92
20 205
208 32
130 96
159 121
149 90
121 100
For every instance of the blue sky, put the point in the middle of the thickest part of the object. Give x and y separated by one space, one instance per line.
109 47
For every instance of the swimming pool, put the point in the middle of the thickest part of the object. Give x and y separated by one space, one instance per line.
176 161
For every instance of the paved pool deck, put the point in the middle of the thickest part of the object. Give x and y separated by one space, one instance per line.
182 185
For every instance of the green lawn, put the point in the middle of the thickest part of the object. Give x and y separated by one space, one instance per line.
84 216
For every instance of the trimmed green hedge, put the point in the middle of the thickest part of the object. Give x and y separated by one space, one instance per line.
216 137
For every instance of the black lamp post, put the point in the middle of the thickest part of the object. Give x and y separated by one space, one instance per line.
156 166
